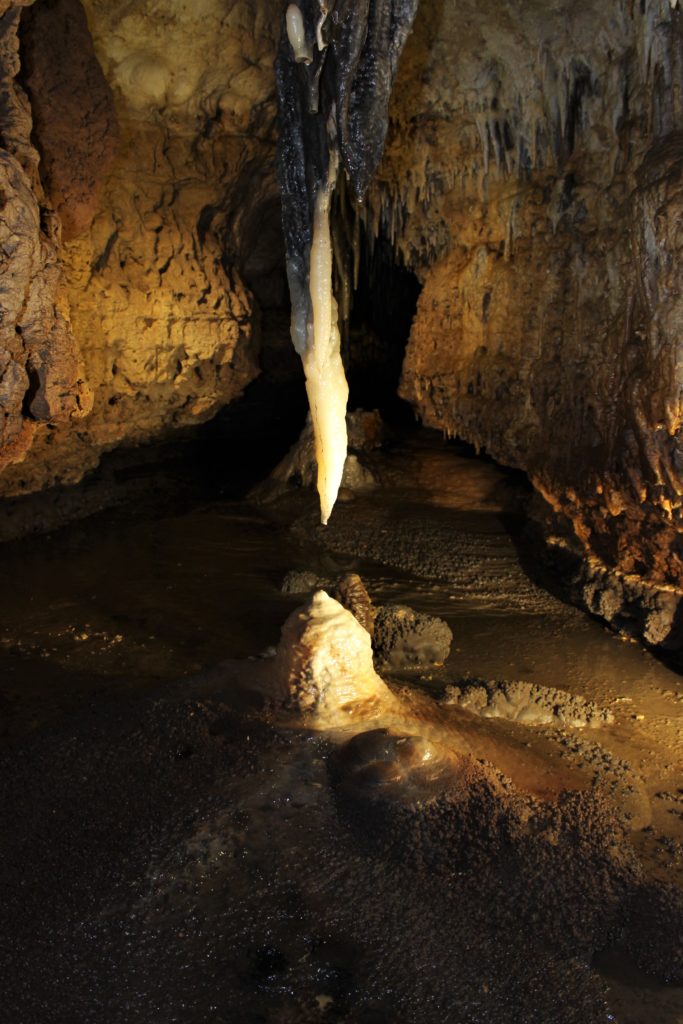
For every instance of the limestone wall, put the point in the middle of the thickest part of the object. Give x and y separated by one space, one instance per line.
155 129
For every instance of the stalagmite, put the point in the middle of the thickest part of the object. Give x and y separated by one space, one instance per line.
323 668
333 113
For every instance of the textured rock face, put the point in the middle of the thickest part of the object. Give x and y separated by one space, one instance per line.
74 121
534 180
40 377
154 245
323 667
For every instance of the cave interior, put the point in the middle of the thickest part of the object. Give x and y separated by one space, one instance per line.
341 505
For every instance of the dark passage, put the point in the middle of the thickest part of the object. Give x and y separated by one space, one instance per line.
383 309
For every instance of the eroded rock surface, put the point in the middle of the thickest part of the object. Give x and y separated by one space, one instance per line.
528 703
534 181
158 303
404 638
352 593
41 379
323 667
74 120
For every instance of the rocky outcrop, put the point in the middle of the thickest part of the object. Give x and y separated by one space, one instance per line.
40 376
323 667
537 190
154 246
74 121
532 179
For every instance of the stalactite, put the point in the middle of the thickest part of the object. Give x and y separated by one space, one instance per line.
333 109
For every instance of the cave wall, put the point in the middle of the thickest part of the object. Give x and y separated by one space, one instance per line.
533 178
155 130
41 377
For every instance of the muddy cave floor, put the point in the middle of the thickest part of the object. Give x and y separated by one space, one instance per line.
171 851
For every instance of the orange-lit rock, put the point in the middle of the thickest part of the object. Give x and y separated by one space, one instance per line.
532 180
537 190
323 668
164 321
41 378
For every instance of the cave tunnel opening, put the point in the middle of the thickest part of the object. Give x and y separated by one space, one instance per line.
382 313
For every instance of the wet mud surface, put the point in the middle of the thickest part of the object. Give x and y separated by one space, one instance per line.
174 851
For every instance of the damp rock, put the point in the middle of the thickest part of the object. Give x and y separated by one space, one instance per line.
323 668
357 477
299 581
562 869
351 592
415 799
383 758
527 703
614 780
404 638
366 430
660 617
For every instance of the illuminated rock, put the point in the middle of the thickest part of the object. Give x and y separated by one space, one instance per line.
323 667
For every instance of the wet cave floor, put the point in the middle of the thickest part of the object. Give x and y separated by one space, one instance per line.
173 852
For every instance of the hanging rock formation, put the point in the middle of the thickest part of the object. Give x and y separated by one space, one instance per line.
335 69
533 178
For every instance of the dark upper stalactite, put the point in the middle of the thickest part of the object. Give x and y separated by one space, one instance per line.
339 102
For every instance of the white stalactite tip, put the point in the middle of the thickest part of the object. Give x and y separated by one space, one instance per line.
326 385
296 33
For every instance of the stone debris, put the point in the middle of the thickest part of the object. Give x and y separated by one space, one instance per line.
299 581
299 468
404 638
528 703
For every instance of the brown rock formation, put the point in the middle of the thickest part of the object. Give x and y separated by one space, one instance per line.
539 198
532 180
40 379
166 325
74 121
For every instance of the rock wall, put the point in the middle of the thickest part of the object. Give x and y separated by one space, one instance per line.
534 180
41 380
156 134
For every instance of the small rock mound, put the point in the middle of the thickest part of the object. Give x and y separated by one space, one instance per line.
529 703
562 871
299 468
382 758
299 581
404 638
